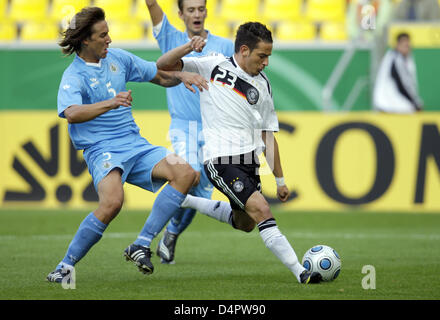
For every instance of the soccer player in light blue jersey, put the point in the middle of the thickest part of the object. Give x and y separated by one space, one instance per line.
93 98
184 109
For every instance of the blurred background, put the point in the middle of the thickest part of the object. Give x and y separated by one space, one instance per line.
338 150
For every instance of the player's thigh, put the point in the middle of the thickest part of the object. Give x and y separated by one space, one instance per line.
111 191
173 168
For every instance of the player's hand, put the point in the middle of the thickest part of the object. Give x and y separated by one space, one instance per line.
190 78
198 43
122 99
283 193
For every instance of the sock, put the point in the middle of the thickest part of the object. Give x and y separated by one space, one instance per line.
181 220
165 207
278 244
89 232
219 210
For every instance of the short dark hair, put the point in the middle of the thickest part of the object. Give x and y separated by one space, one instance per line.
180 4
80 28
402 35
250 34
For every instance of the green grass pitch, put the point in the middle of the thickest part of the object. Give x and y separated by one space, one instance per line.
215 262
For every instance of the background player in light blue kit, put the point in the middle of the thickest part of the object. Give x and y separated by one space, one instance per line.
184 109
93 98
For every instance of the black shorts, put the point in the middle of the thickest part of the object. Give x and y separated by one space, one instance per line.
237 177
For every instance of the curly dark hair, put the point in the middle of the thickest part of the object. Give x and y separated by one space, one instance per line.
80 28
250 34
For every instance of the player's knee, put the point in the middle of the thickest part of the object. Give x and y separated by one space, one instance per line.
262 211
185 175
113 206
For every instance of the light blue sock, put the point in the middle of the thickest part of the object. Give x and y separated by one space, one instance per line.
89 232
173 225
165 207
181 220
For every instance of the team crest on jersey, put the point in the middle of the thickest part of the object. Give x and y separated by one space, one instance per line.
113 68
252 95
238 186
106 165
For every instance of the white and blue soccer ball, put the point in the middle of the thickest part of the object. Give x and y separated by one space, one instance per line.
323 259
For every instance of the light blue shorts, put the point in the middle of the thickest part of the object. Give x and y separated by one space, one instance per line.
187 140
134 155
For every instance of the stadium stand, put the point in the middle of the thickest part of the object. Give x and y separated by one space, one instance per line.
126 30
275 10
115 9
3 7
240 11
8 31
295 31
66 9
325 10
306 16
25 10
39 31
333 31
219 27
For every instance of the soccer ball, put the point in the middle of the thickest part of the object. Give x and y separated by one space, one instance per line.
323 259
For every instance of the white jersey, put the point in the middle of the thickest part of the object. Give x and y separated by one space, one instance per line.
236 108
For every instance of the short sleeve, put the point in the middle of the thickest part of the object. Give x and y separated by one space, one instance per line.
137 69
69 94
201 65
167 36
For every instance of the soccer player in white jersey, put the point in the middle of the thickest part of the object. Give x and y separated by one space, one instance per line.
184 108
239 120
94 100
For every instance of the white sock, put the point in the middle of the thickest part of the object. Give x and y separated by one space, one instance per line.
219 210
280 246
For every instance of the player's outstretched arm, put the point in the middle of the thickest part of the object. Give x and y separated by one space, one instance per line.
272 155
173 78
155 10
86 112
171 60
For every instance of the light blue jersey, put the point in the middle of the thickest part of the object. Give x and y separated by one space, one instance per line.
88 83
111 140
183 104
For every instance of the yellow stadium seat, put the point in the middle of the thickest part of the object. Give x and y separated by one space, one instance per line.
23 10
66 9
8 31
240 11
3 7
115 9
169 7
212 6
295 31
326 10
275 10
141 11
333 31
218 27
126 30
39 31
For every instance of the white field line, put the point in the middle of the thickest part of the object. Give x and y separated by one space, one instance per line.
232 233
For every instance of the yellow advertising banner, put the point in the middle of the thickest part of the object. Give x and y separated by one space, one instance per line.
365 160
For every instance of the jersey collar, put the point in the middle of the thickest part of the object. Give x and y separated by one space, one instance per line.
90 64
